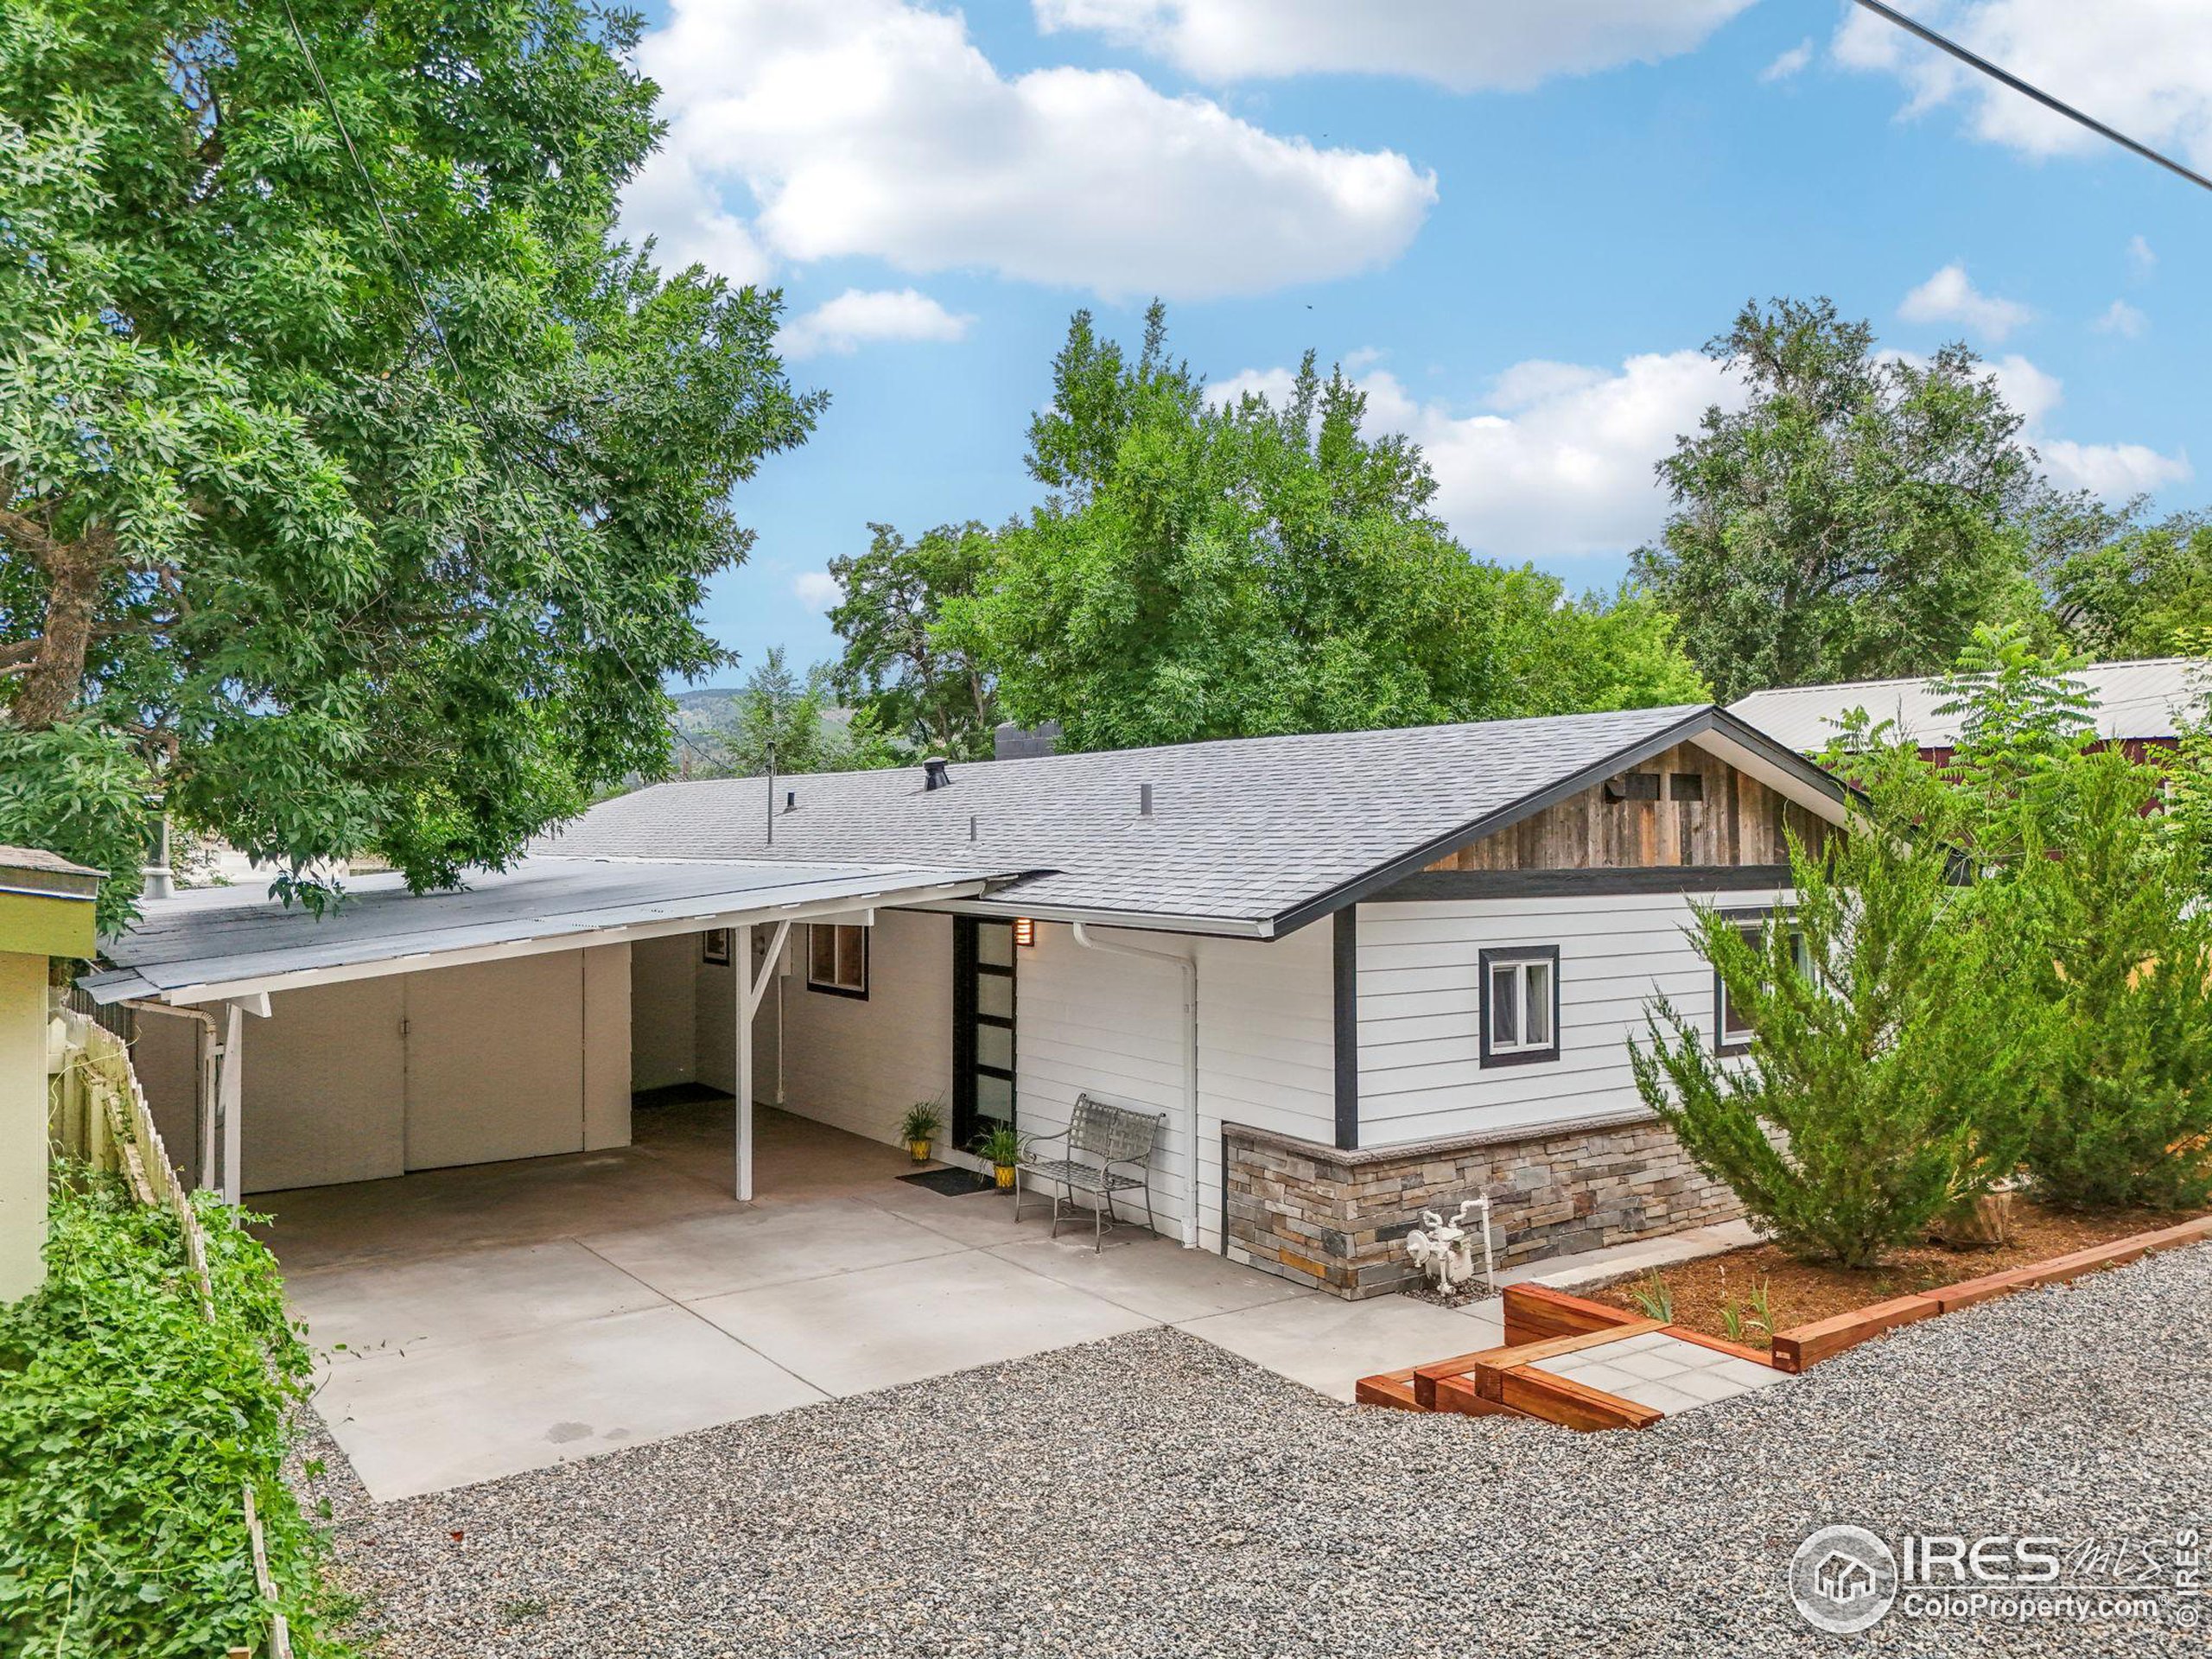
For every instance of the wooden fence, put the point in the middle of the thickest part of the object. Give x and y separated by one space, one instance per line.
98 1112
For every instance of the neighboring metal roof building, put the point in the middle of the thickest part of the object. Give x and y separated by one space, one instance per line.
1249 835
217 942
2140 700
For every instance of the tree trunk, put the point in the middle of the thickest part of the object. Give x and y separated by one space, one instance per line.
48 691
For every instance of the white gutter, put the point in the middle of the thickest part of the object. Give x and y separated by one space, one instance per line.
1189 965
999 905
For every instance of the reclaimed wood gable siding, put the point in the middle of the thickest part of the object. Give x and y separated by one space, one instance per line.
1739 821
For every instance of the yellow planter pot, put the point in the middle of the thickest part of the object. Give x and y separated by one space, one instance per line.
921 1150
1005 1172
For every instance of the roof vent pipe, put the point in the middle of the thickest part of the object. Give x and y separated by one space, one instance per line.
790 800
1144 800
971 826
159 880
934 775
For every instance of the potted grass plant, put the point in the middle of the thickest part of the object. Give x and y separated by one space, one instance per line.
920 1127
1002 1148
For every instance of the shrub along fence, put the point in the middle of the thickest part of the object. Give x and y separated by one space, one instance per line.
100 1117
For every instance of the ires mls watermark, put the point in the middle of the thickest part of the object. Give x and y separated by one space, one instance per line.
1845 1579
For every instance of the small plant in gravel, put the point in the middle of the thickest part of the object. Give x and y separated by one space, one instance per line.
128 1423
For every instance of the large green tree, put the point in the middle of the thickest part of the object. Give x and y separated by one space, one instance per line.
1854 519
356 485
2144 589
1209 569
900 664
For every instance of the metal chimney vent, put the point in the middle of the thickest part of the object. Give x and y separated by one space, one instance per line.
934 775
1144 800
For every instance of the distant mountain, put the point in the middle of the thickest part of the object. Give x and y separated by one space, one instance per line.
703 721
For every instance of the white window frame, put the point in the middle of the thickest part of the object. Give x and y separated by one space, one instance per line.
1532 971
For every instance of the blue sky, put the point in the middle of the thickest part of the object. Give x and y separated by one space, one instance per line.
1514 223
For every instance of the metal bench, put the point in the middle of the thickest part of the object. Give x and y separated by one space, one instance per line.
1103 1150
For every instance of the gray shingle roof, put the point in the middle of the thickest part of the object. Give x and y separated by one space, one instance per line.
1243 831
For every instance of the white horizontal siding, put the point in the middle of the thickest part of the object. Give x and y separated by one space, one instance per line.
1091 1021
860 1062
1420 1075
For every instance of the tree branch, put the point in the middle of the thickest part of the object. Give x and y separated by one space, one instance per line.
27 534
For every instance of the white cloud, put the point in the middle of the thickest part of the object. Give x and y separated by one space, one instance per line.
2140 255
1791 62
2123 319
1556 461
1557 458
875 127
859 315
2114 470
1948 296
1461 44
2144 66
670 201
817 588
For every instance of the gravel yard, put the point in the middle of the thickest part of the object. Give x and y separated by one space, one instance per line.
1155 1495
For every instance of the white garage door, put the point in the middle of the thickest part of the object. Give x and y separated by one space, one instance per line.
324 1078
495 1061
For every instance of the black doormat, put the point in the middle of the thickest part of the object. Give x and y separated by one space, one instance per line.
952 1182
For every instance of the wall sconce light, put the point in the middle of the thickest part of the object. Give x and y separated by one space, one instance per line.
1024 931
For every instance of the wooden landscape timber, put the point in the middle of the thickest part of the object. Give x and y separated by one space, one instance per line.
1541 1323
1807 1344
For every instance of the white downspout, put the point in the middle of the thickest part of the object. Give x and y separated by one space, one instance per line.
1189 965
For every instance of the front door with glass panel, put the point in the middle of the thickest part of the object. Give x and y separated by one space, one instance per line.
983 1028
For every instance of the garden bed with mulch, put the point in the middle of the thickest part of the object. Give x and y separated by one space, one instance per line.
1798 1293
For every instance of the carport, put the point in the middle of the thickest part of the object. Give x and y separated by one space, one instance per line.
215 958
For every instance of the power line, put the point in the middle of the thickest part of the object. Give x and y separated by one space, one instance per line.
437 333
2007 77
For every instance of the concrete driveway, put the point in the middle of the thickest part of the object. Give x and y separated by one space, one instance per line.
479 1322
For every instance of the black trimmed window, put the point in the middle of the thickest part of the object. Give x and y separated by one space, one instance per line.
836 959
1520 1004
1732 1028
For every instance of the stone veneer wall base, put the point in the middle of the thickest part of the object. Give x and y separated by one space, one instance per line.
1316 1215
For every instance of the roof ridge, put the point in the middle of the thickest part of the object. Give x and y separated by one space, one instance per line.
1184 746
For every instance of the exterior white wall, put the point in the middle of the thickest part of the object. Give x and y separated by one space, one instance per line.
607 1063
664 1005
1091 1021
1420 1075
324 1086
859 1063
370 1078
715 1021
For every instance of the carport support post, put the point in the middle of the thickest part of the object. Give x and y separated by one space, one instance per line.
741 959
229 1088
750 991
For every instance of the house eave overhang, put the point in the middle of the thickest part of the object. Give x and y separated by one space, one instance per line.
205 983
